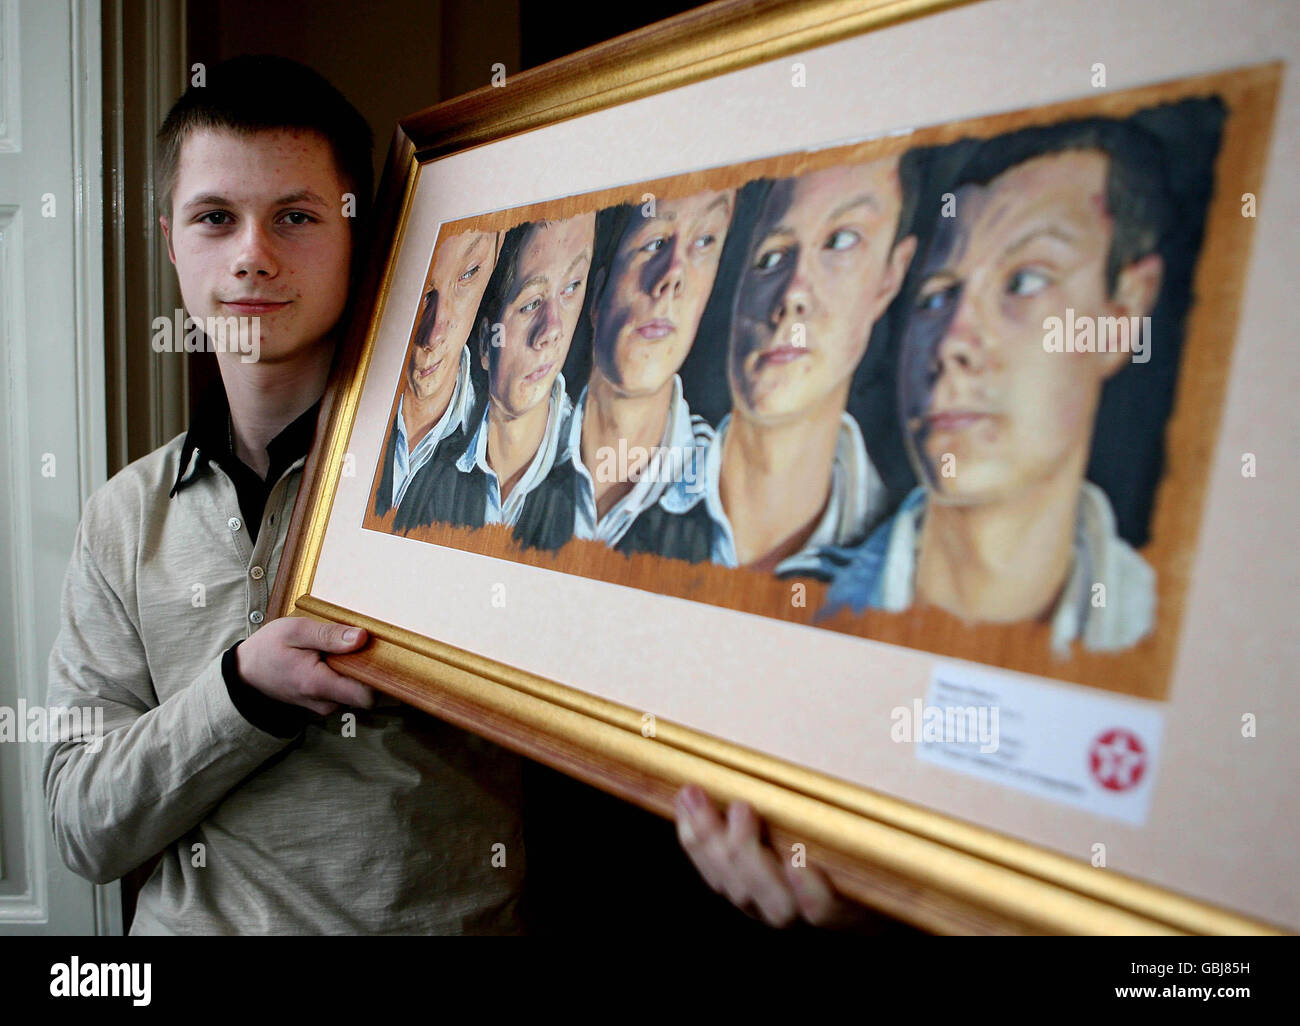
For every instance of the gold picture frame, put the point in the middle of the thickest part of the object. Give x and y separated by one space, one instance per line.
927 867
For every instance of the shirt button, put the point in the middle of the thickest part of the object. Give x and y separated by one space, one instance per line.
233 523
257 573
256 616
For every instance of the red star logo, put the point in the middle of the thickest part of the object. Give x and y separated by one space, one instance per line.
1117 759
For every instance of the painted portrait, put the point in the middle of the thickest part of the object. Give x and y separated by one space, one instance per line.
914 389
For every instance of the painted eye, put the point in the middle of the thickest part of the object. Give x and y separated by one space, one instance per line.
705 241
770 260
572 287
843 238
1027 282
937 299
654 245
469 274
531 305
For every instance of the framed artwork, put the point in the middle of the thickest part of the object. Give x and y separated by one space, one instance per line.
800 400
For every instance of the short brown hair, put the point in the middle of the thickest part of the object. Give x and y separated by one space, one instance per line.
260 93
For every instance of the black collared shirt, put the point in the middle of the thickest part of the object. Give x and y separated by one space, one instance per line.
208 440
210 435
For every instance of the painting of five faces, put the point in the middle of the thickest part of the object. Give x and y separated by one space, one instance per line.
844 387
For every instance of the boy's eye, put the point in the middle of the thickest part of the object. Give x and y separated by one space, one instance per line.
469 274
843 238
1027 282
935 299
221 216
299 217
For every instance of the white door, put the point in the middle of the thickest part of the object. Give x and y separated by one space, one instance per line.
52 434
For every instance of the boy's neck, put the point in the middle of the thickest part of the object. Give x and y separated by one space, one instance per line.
775 481
266 398
513 442
1002 561
609 417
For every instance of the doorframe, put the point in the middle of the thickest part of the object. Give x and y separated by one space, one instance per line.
144 73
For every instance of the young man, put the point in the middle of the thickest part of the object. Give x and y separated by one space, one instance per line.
437 393
788 470
632 437
223 748
269 819
1005 527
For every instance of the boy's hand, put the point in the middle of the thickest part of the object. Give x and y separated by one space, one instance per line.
733 861
285 660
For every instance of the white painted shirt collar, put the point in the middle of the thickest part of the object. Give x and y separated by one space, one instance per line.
1117 615
406 464
856 503
676 463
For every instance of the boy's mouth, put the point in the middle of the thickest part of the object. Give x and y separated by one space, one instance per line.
253 307
539 373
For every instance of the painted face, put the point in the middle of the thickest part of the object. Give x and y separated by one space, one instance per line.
658 285
821 271
539 315
257 230
460 274
980 395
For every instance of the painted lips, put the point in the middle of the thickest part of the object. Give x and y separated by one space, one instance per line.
955 420
656 329
426 371
538 374
781 355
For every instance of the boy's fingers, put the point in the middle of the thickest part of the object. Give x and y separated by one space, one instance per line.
700 830
334 686
343 639
756 869
324 637
817 902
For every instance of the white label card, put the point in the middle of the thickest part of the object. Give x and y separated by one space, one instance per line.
1069 744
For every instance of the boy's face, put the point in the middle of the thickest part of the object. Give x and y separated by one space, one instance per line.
822 269
978 382
460 274
657 288
539 317
257 230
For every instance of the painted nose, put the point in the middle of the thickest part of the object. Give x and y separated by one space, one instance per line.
962 348
671 280
549 325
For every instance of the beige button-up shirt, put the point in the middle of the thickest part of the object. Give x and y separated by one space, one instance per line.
397 824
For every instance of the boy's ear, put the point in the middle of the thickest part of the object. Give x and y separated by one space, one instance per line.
896 265
1136 290
1138 286
167 234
